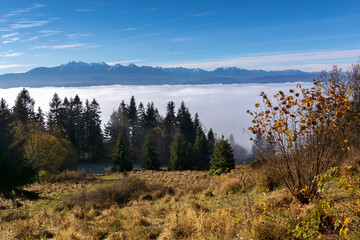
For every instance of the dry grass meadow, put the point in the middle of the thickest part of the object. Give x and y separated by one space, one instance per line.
173 205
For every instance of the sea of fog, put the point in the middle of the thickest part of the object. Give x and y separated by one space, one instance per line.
221 107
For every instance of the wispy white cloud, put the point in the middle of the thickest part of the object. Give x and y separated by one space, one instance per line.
11 54
130 29
201 14
84 10
10 40
27 24
3 20
303 61
125 61
175 53
14 66
10 35
49 32
182 39
20 11
66 46
151 34
78 35
44 33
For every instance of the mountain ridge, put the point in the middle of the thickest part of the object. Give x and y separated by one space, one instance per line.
92 74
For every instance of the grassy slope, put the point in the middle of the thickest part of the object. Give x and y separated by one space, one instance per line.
201 207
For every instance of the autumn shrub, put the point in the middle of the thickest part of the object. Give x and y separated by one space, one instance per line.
45 151
66 176
305 131
120 192
345 211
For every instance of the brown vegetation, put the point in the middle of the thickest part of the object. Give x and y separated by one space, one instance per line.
175 205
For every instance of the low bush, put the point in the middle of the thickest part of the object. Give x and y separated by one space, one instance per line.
66 176
120 192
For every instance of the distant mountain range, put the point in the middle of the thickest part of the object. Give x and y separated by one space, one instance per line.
94 74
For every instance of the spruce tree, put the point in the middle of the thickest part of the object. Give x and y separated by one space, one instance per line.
211 141
179 153
112 128
223 159
55 112
149 117
169 127
15 171
185 123
261 148
24 106
149 156
197 125
93 139
201 153
39 116
132 113
120 157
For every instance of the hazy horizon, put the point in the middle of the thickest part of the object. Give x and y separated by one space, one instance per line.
220 106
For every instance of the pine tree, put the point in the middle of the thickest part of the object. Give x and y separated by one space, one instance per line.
112 128
211 141
169 127
261 147
24 107
197 125
132 113
15 172
66 121
39 116
179 153
201 154
185 123
223 159
149 117
120 157
55 112
77 110
93 135
149 156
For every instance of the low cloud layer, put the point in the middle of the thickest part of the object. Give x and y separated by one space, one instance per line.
222 107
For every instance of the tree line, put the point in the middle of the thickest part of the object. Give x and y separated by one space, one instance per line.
70 132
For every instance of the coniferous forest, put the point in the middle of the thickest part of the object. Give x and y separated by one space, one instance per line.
71 133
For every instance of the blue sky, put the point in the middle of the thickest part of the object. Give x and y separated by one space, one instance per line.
310 35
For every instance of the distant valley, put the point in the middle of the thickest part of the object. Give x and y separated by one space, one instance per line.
75 74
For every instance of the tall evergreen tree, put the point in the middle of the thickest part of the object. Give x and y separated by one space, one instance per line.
112 128
223 159
149 156
211 141
169 127
15 171
170 120
55 112
261 147
66 121
197 125
39 116
24 106
77 109
201 153
149 117
179 153
133 114
185 123
120 156
92 127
